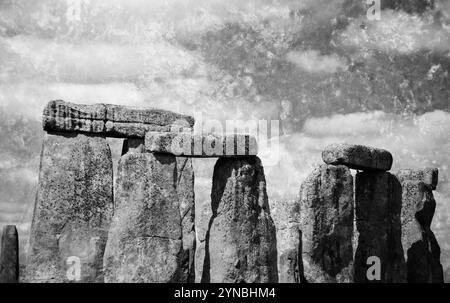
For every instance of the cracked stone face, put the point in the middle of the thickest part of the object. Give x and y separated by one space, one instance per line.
145 239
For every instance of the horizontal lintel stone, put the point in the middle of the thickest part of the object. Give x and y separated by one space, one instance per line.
358 157
110 120
187 144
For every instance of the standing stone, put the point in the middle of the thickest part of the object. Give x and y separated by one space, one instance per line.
241 240
422 253
145 239
378 200
186 197
73 210
290 265
326 208
9 255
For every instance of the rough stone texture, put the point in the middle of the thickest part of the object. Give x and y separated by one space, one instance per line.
241 241
73 209
192 145
290 265
422 252
109 120
357 157
145 239
326 208
429 176
378 200
9 255
286 215
186 197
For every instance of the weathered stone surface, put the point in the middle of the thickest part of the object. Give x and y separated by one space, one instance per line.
9 255
378 200
286 216
191 145
326 208
186 197
357 157
241 241
422 253
145 239
109 120
290 265
429 176
73 209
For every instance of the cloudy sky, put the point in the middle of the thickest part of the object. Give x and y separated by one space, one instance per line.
319 66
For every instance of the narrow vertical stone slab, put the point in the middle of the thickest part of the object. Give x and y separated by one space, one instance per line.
290 265
326 208
378 200
241 240
186 197
145 239
422 252
73 210
9 255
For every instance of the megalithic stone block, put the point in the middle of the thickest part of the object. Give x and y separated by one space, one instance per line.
422 252
73 210
110 120
9 255
326 208
145 239
378 200
188 144
186 197
241 240
357 157
429 176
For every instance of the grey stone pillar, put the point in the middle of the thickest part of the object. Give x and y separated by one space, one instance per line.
241 240
378 200
422 252
9 255
73 210
326 208
145 239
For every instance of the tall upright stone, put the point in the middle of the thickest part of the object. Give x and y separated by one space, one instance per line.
326 208
73 210
378 200
422 252
186 197
145 239
9 255
241 240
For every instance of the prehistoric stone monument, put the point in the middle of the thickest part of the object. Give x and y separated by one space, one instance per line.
393 214
147 234
145 230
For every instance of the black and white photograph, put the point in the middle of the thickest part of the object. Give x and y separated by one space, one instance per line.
222 142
